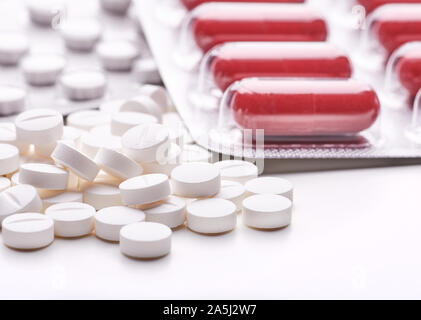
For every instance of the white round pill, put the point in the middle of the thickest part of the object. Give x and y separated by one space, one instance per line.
44 12
145 240
170 212
116 6
121 122
43 70
44 176
117 55
267 211
75 160
211 216
237 170
39 126
8 135
194 153
13 46
80 34
112 106
196 180
12 100
71 219
88 119
67 196
90 143
117 164
18 199
28 231
102 196
164 164
142 104
145 189
5 183
144 143
109 221
232 191
270 185
156 93
83 85
9 158
146 71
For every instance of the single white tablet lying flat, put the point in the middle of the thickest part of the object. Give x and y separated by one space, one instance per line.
71 219
123 121
143 104
211 216
75 160
80 34
170 212
43 70
9 158
12 100
145 240
45 176
117 164
237 170
109 221
270 185
28 231
196 180
102 195
18 199
267 211
13 46
88 119
117 55
145 189
45 12
83 85
67 196
232 191
39 126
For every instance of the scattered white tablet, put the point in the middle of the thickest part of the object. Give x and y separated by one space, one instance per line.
88 119
123 121
143 104
67 196
145 189
267 211
116 6
270 185
109 221
117 164
232 191
9 158
211 216
39 126
46 13
194 153
237 170
80 34
12 100
28 231
117 55
146 142
13 46
102 196
5 183
145 240
71 219
170 212
44 176
196 180
43 69
146 71
83 85
8 135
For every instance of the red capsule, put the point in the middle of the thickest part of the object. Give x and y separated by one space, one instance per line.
395 25
304 107
408 69
235 61
371 5
215 23
191 4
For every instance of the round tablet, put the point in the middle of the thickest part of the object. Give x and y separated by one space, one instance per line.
170 212
237 170
146 71
88 119
117 55
196 180
194 153
75 160
13 46
211 216
142 104
80 34
43 70
145 189
116 6
267 211
123 121
4 183
270 185
83 85
71 219
145 142
117 164
18 199
28 231
165 164
8 135
112 106
109 221
145 240
102 195
90 143
43 12
45 176
9 158
68 196
156 93
232 191
39 126
12 100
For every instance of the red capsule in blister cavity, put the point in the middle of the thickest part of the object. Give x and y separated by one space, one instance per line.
371 5
235 61
304 107
215 23
191 4
397 24
408 69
